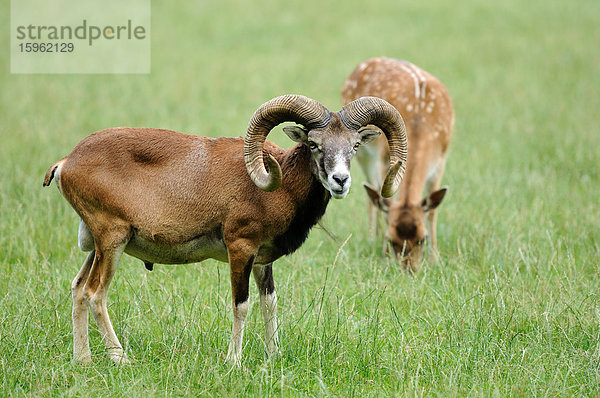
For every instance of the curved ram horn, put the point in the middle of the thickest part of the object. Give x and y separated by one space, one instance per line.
376 111
286 108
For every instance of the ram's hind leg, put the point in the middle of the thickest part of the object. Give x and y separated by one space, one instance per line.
263 275
105 263
81 344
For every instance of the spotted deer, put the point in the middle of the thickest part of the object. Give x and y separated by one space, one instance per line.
427 110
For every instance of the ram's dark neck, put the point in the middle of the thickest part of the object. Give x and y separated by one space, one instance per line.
311 199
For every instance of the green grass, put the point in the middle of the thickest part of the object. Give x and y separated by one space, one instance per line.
511 309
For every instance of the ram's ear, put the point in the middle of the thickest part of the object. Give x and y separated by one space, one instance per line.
368 134
296 133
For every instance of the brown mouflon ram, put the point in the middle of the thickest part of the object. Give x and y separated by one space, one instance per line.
173 198
427 110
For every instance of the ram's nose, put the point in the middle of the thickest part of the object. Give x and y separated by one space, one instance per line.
341 179
339 185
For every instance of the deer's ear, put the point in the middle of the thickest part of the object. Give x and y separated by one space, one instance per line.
434 199
382 203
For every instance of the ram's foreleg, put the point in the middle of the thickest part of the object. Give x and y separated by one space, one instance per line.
241 259
263 275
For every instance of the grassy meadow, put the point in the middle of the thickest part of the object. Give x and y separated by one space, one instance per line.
512 308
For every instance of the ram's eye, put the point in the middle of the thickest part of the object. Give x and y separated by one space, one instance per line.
312 146
356 146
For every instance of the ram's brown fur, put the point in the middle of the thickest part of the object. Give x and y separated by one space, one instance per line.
128 173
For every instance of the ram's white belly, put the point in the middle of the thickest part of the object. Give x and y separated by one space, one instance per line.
209 245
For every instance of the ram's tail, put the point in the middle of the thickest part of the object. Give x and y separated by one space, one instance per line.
50 173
